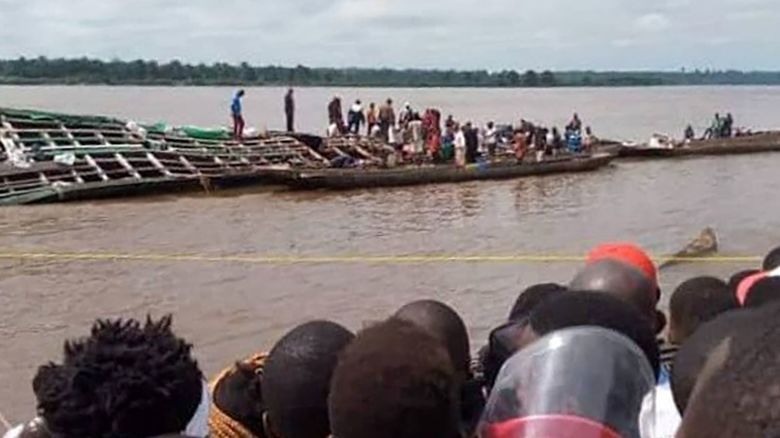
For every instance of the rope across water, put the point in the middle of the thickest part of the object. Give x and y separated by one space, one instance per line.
337 259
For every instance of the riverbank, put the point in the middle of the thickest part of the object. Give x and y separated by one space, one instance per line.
84 71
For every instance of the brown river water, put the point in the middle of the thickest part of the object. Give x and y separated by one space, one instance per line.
230 309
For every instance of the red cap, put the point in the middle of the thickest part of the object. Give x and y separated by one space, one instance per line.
743 290
627 253
549 426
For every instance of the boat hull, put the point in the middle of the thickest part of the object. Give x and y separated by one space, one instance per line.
750 144
345 179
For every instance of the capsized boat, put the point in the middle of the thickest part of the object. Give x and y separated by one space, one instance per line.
48 157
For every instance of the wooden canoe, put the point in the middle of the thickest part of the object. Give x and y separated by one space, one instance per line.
344 179
748 144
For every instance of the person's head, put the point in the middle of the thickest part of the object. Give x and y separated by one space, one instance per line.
765 291
357 102
407 105
736 279
394 381
695 302
127 379
389 101
238 398
583 308
737 392
531 297
772 260
694 352
588 130
372 105
444 324
629 254
555 130
290 91
576 116
240 93
490 125
296 379
624 282
717 115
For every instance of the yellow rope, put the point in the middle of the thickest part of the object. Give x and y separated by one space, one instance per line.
221 425
339 259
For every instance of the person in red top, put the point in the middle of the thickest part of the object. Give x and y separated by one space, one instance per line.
521 145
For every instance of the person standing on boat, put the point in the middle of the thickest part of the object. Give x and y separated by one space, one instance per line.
372 118
355 117
491 139
335 115
521 145
576 123
728 125
472 143
714 130
289 110
460 146
386 119
237 113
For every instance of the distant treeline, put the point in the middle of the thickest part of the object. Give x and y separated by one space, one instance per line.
92 71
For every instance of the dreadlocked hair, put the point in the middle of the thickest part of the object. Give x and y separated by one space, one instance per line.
126 380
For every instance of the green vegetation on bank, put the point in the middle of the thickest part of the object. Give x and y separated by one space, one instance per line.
92 71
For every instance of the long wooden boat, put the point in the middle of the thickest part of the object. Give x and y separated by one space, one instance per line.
747 144
344 179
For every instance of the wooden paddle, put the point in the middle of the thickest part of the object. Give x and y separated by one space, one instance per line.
704 245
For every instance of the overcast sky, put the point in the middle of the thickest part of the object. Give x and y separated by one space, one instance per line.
460 34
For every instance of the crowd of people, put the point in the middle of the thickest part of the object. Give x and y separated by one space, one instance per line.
422 136
721 127
580 360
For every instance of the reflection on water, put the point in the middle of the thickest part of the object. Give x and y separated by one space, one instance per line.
230 309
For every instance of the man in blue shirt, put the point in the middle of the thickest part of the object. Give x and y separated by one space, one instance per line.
238 119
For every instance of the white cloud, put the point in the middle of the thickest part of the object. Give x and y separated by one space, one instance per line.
653 22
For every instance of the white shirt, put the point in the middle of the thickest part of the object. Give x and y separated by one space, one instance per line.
660 419
460 140
490 136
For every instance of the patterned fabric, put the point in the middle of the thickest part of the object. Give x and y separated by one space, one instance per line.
222 425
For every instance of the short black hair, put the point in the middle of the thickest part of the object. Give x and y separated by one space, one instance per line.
443 323
737 278
622 281
126 379
693 354
296 379
585 308
394 381
737 393
772 260
531 297
695 302
766 290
